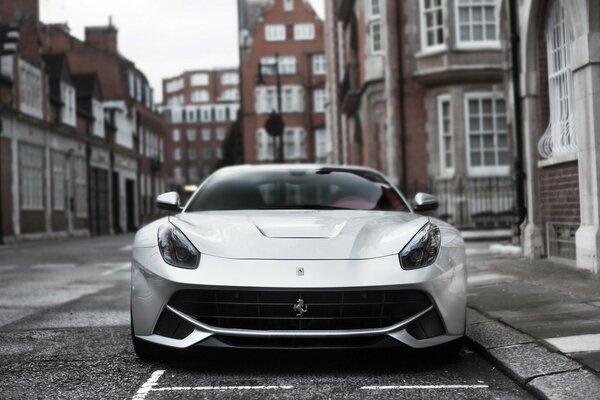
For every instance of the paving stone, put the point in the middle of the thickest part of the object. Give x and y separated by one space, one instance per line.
493 334
572 385
475 317
530 360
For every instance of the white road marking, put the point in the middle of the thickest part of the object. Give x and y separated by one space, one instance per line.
488 278
392 387
148 385
185 388
52 266
576 344
119 267
7 267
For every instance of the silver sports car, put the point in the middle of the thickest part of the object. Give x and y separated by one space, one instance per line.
297 256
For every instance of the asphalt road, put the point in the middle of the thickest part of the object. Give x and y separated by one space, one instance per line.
64 333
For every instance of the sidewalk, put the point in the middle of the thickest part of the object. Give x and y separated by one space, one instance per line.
539 322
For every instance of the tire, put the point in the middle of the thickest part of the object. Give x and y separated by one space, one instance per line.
452 349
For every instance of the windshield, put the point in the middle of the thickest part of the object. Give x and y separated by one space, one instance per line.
324 189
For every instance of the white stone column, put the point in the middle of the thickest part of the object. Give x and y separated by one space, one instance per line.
586 75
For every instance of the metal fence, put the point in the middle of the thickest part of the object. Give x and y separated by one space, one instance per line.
476 203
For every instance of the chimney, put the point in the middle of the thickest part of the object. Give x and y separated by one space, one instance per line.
102 37
19 9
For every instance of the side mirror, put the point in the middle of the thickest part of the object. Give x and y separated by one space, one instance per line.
425 202
169 202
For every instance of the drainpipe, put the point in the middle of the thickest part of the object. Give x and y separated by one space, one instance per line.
515 41
401 98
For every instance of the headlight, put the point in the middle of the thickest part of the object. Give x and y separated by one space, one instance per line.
423 249
176 249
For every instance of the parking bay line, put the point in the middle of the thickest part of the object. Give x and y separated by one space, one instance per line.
149 386
401 387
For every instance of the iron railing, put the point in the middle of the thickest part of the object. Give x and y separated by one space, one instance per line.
476 203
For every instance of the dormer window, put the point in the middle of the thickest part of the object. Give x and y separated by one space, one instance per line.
67 96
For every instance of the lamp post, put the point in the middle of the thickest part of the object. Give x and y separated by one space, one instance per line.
274 124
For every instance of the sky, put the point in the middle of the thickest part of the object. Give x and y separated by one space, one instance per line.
162 37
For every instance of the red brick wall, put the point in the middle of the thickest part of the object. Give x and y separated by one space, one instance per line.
6 193
559 193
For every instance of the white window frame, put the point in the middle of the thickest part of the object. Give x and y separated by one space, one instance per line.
445 171
174 85
206 134
230 78
30 89
497 170
177 154
200 96
476 44
98 112
288 5
68 111
221 132
275 33
425 47
58 181
304 31
191 134
176 135
320 100
31 161
560 138
319 64
199 79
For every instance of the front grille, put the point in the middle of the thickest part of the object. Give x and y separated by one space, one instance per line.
325 310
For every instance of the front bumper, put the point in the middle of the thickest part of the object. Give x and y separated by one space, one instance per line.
154 283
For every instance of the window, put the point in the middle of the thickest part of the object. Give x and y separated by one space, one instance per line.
192 155
375 30
32 184
58 181
275 33
206 153
80 187
220 114
176 135
174 85
292 99
230 78
288 5
486 134
219 153
98 118
67 94
323 145
230 95
287 65
206 134
476 22
374 26
206 114
445 135
30 89
221 133
193 174
294 144
200 96
191 135
191 116
177 173
318 64
199 79
131 81
177 154
560 136
432 24
304 31
320 100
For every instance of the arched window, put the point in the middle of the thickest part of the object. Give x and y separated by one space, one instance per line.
560 136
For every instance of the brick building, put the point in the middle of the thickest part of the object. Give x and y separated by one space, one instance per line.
78 133
288 35
199 108
560 76
420 96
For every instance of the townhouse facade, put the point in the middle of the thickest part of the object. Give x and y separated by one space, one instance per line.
79 132
420 96
283 38
198 108
559 76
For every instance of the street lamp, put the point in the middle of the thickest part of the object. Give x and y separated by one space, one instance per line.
274 124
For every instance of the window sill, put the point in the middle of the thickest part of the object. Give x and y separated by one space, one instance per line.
478 46
430 52
485 172
560 159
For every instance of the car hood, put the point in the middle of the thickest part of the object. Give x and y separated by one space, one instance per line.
299 234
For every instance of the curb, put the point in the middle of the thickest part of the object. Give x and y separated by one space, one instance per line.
542 371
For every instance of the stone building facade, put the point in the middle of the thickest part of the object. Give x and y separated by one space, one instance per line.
559 70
